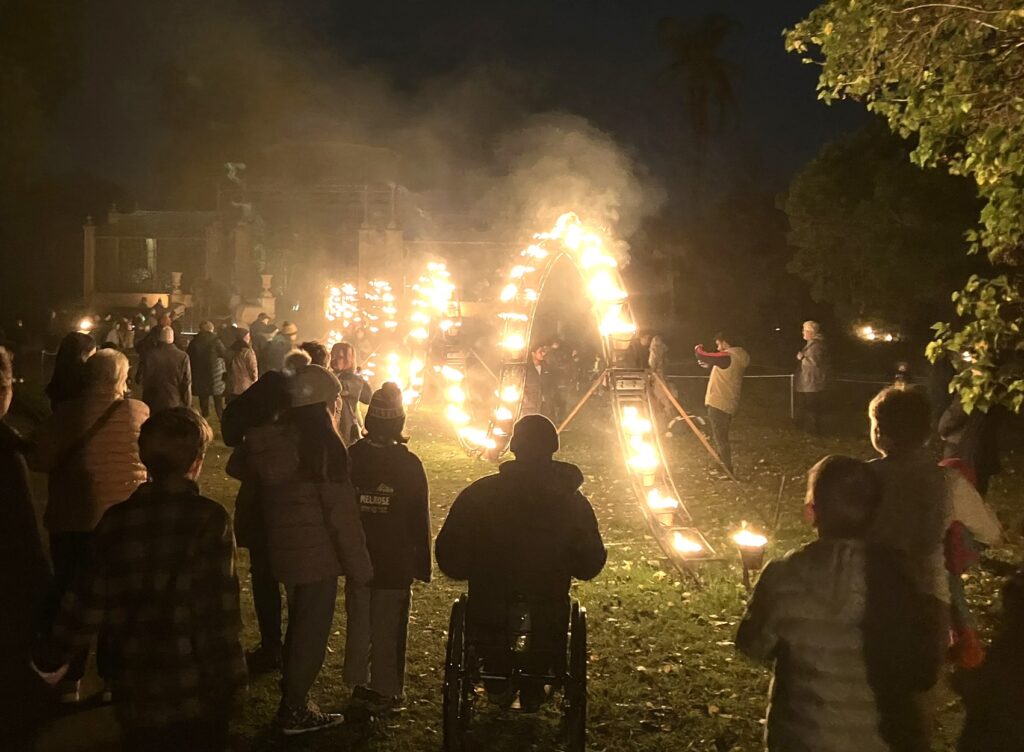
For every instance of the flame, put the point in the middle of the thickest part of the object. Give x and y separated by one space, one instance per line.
657 502
745 538
685 545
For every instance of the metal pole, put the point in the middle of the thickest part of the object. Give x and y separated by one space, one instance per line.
792 397
582 402
481 362
696 431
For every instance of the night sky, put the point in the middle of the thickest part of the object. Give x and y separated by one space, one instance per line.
598 59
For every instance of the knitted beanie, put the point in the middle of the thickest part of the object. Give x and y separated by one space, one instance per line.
387 402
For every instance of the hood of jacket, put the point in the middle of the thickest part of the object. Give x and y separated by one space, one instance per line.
272 453
559 478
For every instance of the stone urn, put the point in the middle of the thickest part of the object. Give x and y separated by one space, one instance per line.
175 283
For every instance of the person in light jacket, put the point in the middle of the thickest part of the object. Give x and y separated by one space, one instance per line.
812 378
242 365
89 448
728 364
851 642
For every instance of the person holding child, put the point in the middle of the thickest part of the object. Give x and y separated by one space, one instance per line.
851 642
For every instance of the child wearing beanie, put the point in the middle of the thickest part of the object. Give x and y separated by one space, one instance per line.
393 499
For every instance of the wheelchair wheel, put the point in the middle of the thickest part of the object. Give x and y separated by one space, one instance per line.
456 701
576 680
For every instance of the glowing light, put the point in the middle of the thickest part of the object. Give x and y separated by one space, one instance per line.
452 374
745 538
457 415
478 437
503 413
446 325
455 394
633 423
603 288
513 316
643 457
509 292
510 394
519 271
685 544
657 502
535 251
514 342
85 325
615 324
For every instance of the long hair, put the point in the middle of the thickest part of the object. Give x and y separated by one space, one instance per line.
68 380
322 455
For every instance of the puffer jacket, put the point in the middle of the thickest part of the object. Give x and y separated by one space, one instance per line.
104 472
526 531
242 369
813 373
312 524
846 658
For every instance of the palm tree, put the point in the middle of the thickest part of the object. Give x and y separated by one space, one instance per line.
698 70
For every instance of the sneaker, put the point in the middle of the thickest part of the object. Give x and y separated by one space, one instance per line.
305 720
263 660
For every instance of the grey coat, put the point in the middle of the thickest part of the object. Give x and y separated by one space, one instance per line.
813 373
166 378
806 616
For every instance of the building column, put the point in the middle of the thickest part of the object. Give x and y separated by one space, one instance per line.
88 259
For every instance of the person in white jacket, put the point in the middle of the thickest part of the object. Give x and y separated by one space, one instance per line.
722 399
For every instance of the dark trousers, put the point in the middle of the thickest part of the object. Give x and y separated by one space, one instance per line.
266 596
209 734
71 554
310 615
720 421
218 405
810 410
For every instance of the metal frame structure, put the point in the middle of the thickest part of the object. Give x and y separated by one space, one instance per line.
630 388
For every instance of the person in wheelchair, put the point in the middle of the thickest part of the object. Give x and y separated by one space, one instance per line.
519 537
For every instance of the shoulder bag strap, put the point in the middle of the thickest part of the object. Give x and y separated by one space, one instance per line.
80 443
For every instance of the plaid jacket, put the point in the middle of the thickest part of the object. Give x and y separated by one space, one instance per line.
164 588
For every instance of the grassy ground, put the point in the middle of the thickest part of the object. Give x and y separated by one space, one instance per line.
663 670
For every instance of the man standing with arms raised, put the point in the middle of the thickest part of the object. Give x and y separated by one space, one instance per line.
722 399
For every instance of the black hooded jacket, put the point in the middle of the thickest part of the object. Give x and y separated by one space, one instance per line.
525 532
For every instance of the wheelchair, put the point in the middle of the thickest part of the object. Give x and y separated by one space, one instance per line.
516 660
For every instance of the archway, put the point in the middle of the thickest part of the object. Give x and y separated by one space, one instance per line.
627 382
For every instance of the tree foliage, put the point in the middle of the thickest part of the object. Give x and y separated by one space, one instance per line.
873 235
952 76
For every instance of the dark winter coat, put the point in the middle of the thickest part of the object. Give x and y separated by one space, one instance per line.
271 357
813 615
257 406
24 579
207 355
308 505
994 693
393 503
524 532
166 378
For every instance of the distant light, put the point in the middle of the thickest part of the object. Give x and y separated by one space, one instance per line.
85 325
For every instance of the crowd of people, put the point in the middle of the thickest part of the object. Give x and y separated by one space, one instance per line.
141 568
141 565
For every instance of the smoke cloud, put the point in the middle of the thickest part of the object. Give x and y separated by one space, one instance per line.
190 86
